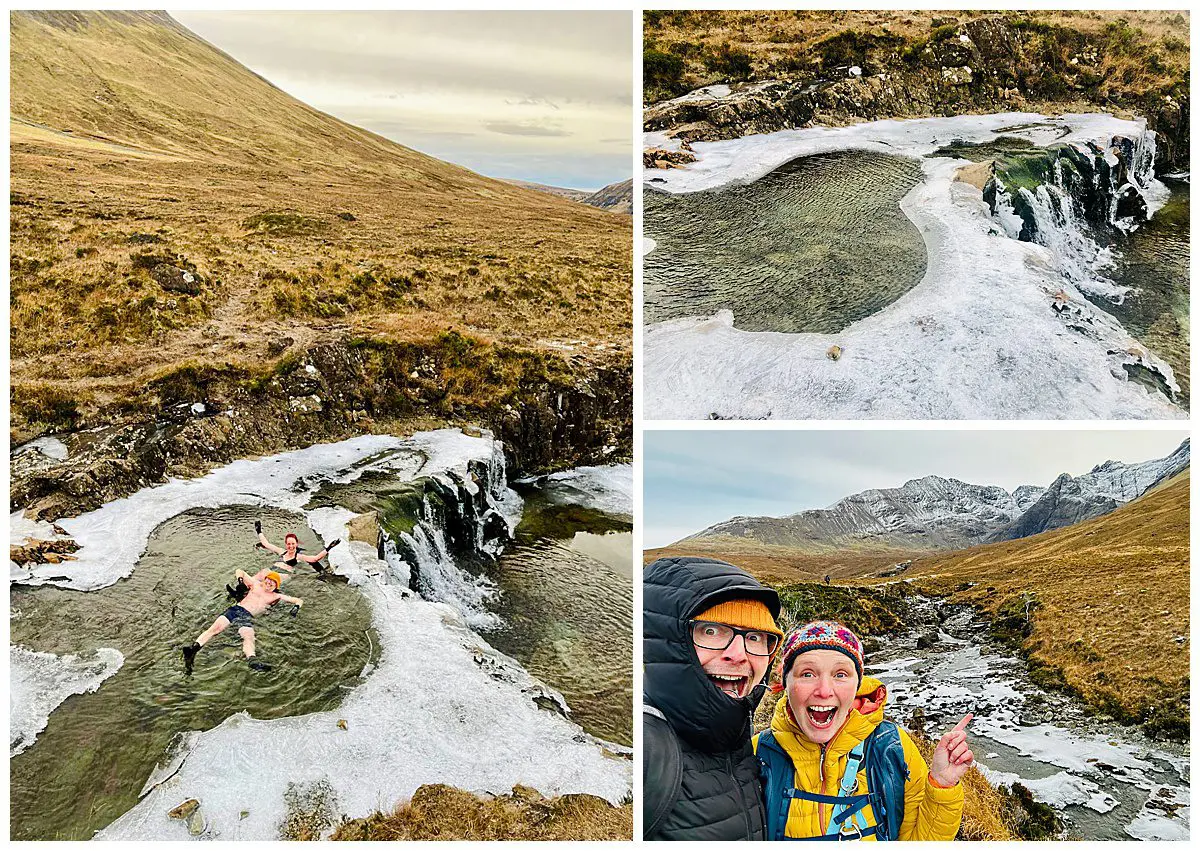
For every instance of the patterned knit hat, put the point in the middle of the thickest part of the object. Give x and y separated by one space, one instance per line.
747 614
821 635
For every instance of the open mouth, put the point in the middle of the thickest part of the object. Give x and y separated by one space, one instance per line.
731 684
821 717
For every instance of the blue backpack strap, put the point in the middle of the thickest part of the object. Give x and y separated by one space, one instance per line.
778 776
887 774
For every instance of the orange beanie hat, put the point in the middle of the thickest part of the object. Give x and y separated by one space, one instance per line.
747 614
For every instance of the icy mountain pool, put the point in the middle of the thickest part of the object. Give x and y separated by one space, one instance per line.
813 246
89 764
1106 781
567 606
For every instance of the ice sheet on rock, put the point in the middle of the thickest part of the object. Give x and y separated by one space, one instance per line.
648 245
607 488
22 529
976 338
51 447
40 682
1155 822
113 537
1058 790
457 712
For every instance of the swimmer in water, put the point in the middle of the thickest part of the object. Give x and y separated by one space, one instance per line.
290 554
262 593
290 557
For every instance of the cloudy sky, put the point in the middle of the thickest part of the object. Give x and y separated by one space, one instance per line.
693 479
540 96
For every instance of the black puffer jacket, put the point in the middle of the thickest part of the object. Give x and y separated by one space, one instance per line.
720 796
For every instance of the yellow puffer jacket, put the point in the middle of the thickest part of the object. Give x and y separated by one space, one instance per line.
931 813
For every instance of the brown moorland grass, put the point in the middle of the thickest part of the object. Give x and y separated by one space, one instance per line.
443 812
1148 48
140 153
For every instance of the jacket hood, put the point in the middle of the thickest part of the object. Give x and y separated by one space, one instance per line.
674 590
870 700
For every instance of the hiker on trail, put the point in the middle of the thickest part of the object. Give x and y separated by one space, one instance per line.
290 553
826 578
262 594
709 635
834 768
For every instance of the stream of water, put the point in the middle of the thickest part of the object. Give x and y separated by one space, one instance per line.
1105 780
566 608
1154 263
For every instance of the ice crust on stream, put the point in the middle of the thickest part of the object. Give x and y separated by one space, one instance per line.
976 338
38 683
607 488
1091 766
442 706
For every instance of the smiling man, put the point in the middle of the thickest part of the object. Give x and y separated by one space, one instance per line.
709 634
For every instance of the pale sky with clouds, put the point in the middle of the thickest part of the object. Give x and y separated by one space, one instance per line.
540 96
694 479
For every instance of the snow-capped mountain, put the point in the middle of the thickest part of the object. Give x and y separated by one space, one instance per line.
1070 499
934 513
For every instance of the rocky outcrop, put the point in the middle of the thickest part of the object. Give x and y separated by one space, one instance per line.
990 64
551 412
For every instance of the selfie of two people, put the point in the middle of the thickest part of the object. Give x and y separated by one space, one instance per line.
829 766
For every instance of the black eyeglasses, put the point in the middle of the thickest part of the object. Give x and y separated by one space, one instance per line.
718 636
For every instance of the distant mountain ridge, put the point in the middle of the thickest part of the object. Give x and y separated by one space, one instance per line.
935 513
616 197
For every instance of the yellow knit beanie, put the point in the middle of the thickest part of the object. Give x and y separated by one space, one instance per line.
747 614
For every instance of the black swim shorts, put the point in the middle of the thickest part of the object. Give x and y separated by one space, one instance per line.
239 617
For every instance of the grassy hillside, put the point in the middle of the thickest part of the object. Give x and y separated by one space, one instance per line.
169 206
1141 49
1100 608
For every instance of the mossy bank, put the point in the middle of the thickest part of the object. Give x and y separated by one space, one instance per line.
551 410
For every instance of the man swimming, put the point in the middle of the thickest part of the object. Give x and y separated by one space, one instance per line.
262 594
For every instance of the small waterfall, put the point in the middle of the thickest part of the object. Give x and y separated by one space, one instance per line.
461 526
1078 200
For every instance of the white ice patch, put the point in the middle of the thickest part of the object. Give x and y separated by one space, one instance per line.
51 447
22 530
114 536
608 488
648 245
39 682
456 712
976 338
1155 823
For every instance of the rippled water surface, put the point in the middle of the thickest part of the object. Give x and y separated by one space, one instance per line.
813 246
567 607
1155 263
89 764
